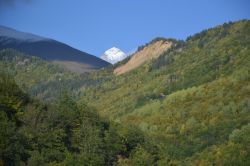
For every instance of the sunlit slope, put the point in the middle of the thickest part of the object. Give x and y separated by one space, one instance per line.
204 57
149 52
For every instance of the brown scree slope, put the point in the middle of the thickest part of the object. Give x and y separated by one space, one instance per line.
148 53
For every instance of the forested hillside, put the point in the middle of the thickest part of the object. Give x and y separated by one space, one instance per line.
204 57
38 77
191 100
61 133
189 106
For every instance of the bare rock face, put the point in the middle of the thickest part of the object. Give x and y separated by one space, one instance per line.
152 51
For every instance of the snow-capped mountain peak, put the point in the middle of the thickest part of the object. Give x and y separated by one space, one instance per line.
113 55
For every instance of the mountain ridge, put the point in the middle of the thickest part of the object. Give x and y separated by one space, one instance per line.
50 50
12 33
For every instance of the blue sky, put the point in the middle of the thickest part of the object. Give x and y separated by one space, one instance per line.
94 26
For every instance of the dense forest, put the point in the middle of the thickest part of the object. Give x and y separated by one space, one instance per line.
38 77
62 133
190 106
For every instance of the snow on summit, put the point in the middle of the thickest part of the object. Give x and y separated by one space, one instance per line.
113 55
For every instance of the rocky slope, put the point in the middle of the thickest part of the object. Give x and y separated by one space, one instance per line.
152 51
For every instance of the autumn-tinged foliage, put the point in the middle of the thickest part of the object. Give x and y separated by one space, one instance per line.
190 100
191 106
63 132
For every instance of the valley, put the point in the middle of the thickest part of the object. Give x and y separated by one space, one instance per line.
172 102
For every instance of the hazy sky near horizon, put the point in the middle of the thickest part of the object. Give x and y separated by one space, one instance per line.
94 26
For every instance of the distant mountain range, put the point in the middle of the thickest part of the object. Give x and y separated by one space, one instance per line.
50 50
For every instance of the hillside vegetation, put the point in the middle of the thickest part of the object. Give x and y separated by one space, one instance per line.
189 105
37 77
191 100
224 50
59 133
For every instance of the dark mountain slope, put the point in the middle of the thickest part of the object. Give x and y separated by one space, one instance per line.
49 50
